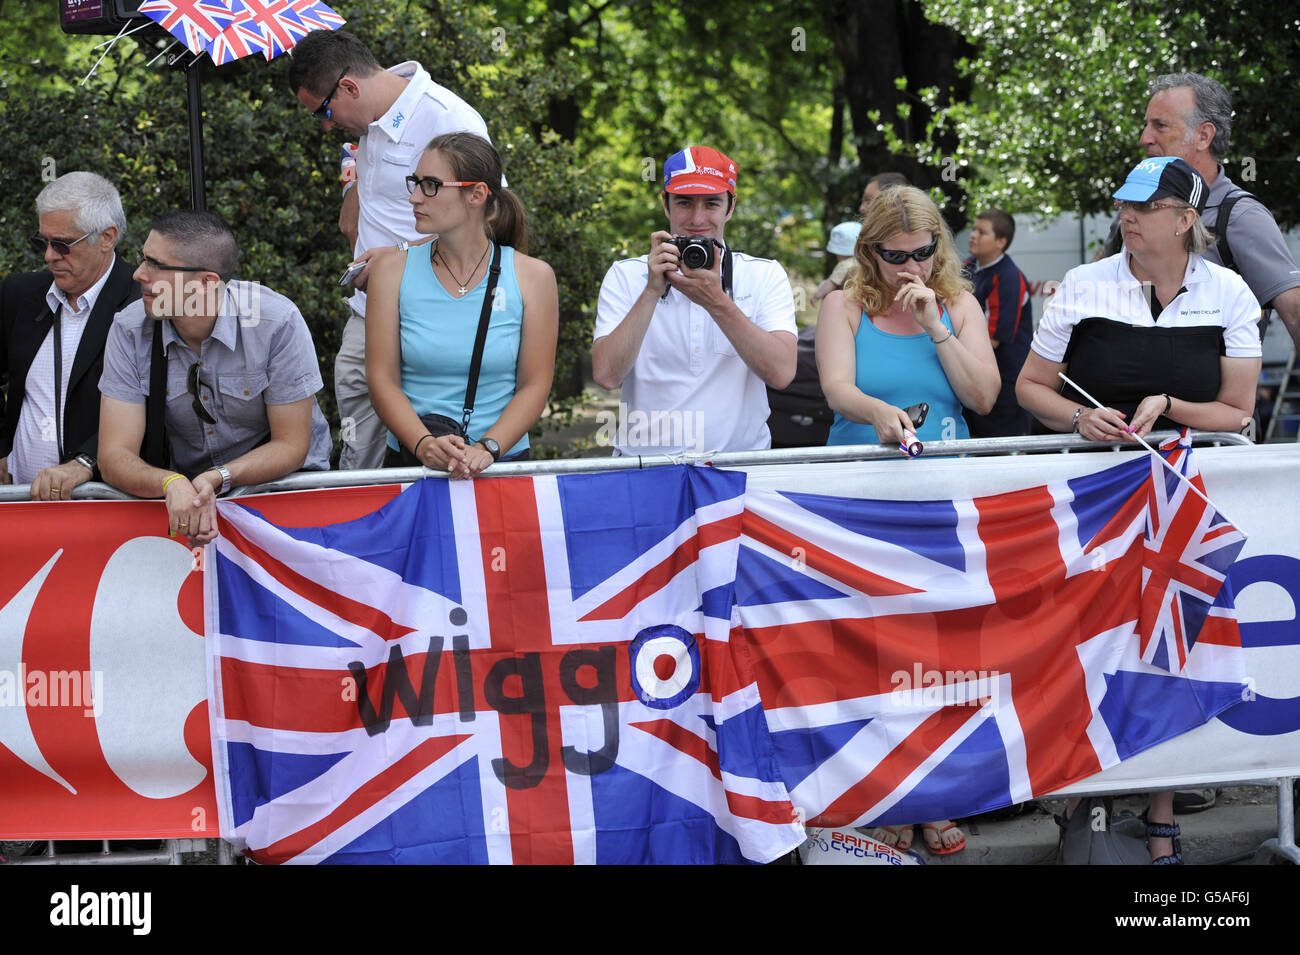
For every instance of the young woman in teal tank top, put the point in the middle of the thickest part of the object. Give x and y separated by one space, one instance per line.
456 195
905 329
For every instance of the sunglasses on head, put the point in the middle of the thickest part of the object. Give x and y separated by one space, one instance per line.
61 246
896 257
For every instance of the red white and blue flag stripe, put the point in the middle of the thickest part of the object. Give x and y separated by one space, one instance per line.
196 23
505 670
929 660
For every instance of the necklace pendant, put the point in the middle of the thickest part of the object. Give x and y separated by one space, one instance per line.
462 290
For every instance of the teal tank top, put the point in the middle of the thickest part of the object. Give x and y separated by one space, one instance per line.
437 336
902 370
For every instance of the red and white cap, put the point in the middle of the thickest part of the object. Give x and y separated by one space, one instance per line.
699 169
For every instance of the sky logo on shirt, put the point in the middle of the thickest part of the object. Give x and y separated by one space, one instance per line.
398 120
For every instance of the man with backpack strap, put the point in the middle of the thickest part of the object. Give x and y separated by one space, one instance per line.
1190 116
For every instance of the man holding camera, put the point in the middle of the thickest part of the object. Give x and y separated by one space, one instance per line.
695 330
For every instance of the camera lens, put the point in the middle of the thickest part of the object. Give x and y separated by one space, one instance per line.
694 256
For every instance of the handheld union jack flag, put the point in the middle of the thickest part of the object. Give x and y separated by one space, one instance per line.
1189 548
504 670
934 659
196 23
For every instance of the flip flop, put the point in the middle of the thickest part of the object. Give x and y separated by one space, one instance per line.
939 849
898 832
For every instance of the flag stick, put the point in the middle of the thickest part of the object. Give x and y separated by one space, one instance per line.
1159 457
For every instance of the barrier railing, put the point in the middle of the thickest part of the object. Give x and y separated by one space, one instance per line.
971 447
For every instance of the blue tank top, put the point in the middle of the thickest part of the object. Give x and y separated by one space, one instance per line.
902 370
437 336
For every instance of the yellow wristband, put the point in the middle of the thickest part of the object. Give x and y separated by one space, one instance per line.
170 479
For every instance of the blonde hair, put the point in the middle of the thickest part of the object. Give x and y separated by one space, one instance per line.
897 210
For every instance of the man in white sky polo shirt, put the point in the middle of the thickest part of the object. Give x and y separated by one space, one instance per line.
693 348
395 112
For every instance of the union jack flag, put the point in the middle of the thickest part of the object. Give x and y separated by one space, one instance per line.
505 670
1189 548
316 15
196 23
927 660
268 26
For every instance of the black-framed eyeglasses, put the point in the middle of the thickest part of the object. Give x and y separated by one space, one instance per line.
898 257
153 265
192 385
323 111
1142 208
429 185
61 246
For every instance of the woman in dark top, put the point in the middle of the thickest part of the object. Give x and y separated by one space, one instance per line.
1159 336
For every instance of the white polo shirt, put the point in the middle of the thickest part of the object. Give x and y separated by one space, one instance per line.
689 390
390 151
1212 295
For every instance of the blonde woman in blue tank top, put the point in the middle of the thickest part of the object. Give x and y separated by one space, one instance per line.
422 315
905 329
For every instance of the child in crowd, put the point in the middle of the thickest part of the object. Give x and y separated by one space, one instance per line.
1003 292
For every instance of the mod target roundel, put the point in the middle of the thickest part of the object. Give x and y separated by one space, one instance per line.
665 666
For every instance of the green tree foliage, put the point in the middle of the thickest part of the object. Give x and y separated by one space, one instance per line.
270 170
1060 89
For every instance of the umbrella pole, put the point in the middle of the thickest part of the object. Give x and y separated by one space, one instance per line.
198 196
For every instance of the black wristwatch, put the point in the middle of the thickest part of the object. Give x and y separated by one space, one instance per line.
491 447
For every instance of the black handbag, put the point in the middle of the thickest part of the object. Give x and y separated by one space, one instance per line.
438 424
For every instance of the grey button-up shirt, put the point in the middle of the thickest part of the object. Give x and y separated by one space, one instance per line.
260 352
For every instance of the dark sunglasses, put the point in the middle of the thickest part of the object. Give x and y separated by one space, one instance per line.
192 384
429 185
323 111
895 257
1142 208
61 246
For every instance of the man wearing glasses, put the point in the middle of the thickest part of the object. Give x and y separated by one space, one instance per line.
395 112
1190 116
693 348
240 378
52 330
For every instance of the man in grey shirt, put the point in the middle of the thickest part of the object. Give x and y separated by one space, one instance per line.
1190 116
241 377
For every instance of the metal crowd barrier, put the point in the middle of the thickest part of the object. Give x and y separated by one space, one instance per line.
172 849
971 447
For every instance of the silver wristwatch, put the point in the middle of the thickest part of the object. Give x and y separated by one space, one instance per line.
225 478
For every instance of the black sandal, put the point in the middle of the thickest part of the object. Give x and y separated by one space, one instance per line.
1165 830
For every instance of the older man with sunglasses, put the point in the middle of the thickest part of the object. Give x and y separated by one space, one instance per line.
395 112
52 330
238 372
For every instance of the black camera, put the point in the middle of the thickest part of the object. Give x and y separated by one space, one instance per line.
696 250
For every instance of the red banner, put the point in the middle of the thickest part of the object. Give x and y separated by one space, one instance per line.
103 695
